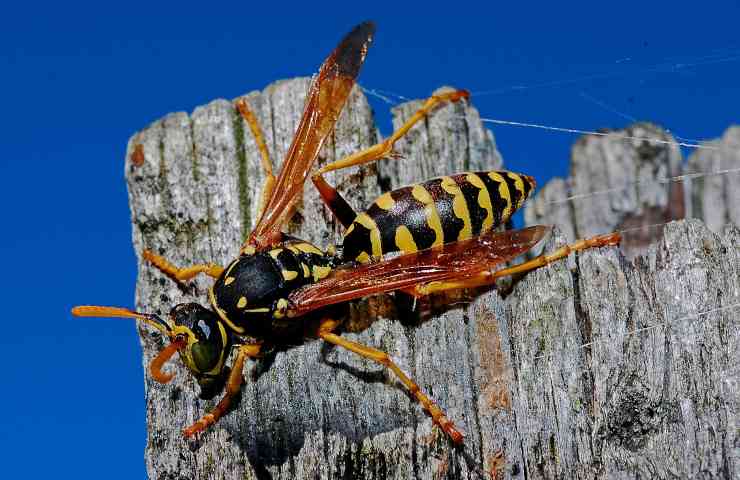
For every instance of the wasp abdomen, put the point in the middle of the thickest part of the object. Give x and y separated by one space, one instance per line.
438 211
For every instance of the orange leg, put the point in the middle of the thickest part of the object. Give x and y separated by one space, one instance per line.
383 358
331 197
254 126
182 274
487 277
233 385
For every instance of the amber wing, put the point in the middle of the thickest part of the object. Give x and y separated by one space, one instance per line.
325 100
456 261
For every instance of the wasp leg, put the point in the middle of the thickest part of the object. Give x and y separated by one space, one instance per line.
487 277
182 274
339 207
233 385
438 416
259 138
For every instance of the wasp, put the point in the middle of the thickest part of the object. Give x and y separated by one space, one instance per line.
438 235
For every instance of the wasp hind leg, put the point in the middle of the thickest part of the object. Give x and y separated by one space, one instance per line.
233 386
339 207
488 277
182 274
378 356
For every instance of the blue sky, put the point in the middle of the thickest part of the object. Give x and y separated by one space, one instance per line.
78 80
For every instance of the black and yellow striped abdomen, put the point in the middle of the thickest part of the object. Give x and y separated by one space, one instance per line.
438 211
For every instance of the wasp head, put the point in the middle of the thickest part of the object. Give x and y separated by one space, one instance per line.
196 333
203 343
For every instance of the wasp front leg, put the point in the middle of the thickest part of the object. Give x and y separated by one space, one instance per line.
182 274
233 386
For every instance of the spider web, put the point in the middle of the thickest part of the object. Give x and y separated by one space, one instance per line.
578 88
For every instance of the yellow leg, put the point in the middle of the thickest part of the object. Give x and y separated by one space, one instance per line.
385 148
487 277
182 274
383 358
338 205
254 126
233 385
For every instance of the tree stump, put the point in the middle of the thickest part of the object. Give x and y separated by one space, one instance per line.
613 369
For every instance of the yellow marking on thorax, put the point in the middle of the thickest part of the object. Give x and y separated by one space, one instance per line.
221 313
248 250
306 271
405 240
231 267
282 304
503 192
242 302
293 249
320 272
432 215
229 280
258 310
484 201
385 201
367 222
289 274
275 252
308 248
459 207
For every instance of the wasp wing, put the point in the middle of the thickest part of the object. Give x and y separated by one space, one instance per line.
326 97
458 260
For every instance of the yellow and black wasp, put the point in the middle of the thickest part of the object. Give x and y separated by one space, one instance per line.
440 234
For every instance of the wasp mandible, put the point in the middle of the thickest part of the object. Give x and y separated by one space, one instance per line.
441 235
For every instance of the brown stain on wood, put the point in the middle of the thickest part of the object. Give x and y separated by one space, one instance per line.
137 156
496 463
495 388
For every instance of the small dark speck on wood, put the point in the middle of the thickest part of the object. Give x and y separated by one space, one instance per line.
654 394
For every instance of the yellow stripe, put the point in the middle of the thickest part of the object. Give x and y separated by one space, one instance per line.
459 207
430 209
306 271
308 248
289 274
221 313
367 222
275 252
519 185
385 201
484 201
221 358
404 240
503 192
320 272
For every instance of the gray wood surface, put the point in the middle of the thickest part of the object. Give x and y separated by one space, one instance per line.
653 394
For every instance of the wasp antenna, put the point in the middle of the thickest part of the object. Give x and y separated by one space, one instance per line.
155 367
119 312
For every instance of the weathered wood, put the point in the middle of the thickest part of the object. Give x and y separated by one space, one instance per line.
617 182
715 198
511 372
